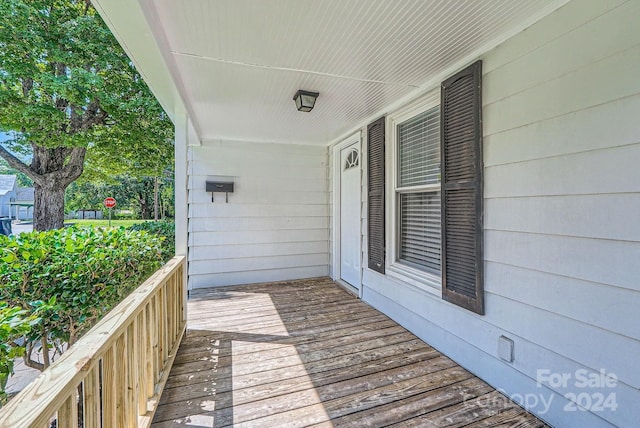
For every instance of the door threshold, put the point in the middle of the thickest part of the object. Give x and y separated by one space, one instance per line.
350 288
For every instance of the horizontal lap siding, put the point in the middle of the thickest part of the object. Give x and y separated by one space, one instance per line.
220 279
561 104
562 189
270 249
276 224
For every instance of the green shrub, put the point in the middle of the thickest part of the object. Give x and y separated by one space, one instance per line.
73 276
120 215
165 229
14 324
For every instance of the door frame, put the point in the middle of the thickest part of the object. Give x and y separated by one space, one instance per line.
336 213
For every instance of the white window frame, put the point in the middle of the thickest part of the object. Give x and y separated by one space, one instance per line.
395 268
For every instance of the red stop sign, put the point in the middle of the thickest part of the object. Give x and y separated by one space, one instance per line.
109 202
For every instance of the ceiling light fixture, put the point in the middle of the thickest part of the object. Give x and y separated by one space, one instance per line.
305 100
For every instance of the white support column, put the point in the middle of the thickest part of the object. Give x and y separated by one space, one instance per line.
181 188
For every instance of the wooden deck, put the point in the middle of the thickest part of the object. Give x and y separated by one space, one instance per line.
307 353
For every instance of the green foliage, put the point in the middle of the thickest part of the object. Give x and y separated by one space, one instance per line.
104 222
164 229
14 324
72 101
125 216
67 82
132 193
73 276
167 199
82 195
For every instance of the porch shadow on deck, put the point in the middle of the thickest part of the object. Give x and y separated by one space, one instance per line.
307 353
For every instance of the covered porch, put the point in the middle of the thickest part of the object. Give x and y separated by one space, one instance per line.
281 354
540 279
308 353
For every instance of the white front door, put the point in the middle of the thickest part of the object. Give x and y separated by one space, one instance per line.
350 215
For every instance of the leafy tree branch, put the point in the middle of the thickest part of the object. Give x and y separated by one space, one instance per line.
69 94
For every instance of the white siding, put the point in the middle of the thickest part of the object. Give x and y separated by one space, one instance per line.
5 207
276 224
562 203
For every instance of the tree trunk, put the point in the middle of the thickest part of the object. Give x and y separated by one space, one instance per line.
155 198
56 168
52 170
48 208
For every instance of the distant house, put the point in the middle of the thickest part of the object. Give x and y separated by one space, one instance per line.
8 193
22 206
15 202
89 214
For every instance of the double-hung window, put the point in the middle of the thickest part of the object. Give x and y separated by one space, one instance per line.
437 215
418 191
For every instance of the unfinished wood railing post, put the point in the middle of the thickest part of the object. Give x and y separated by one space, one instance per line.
91 388
164 322
169 309
149 378
181 302
177 294
183 296
174 311
132 378
155 340
122 363
109 387
177 305
142 359
121 380
68 412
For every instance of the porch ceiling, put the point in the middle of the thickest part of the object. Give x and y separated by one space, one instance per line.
236 64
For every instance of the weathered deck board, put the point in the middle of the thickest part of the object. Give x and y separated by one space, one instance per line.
307 353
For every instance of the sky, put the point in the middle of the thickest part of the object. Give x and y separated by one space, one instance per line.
3 137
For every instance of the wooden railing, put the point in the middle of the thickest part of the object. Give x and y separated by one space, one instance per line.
114 375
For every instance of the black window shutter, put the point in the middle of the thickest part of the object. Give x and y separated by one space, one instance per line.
461 157
375 202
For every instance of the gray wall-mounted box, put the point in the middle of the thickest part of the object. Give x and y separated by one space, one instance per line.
219 186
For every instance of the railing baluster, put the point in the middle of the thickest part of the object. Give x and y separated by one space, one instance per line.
182 288
169 289
172 315
164 322
121 381
160 327
156 340
121 364
179 294
174 310
150 353
91 389
109 388
132 377
68 413
141 361
176 307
